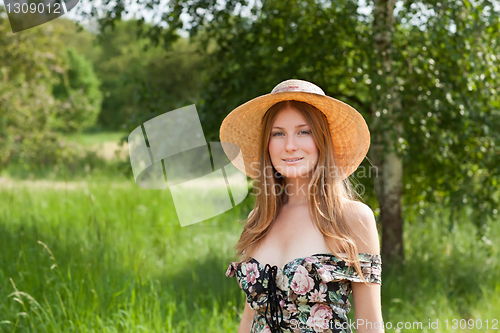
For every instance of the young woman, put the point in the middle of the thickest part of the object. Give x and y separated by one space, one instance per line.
308 243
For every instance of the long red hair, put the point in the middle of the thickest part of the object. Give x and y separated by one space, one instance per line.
326 204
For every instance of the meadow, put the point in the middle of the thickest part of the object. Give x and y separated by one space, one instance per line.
91 251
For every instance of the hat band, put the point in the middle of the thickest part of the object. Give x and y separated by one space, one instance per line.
298 88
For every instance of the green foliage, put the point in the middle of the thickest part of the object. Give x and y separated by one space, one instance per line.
137 79
28 63
140 81
448 77
83 40
32 63
79 89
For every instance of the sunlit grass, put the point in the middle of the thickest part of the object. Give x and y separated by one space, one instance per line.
447 275
113 258
86 139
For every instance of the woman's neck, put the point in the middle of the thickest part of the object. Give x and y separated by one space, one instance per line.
296 191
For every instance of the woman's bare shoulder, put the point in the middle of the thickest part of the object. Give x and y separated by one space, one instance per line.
357 207
362 221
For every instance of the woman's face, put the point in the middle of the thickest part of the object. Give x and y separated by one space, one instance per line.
291 138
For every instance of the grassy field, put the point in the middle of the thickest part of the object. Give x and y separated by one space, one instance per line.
86 139
103 255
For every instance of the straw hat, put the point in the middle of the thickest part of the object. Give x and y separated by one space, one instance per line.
351 137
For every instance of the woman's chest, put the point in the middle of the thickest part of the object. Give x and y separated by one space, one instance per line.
292 235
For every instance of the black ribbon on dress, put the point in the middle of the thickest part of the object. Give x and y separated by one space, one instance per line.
273 307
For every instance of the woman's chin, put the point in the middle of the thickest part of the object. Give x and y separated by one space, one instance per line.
291 172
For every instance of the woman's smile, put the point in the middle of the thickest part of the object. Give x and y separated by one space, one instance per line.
293 160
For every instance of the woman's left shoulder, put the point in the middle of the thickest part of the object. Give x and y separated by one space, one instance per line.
362 221
353 208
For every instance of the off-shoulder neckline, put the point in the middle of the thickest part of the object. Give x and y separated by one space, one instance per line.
302 259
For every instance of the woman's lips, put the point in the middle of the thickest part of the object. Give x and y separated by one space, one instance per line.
293 162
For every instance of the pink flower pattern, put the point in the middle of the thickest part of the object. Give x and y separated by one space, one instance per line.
252 273
317 296
313 291
302 282
319 317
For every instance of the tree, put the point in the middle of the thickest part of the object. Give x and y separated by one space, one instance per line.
389 183
31 65
29 61
140 80
78 87
424 81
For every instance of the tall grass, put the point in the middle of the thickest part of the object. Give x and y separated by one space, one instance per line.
448 275
112 257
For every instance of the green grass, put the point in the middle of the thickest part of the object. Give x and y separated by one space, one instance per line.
113 258
446 275
86 139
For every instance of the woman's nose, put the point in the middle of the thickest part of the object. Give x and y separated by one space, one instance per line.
290 144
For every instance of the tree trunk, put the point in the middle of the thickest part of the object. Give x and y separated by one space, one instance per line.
387 130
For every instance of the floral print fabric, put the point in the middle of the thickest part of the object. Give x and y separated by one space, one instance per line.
313 291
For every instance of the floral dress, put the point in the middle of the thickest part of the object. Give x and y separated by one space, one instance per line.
306 295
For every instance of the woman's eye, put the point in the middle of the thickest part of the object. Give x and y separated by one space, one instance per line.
301 132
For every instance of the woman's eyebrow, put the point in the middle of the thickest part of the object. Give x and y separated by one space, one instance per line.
295 126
